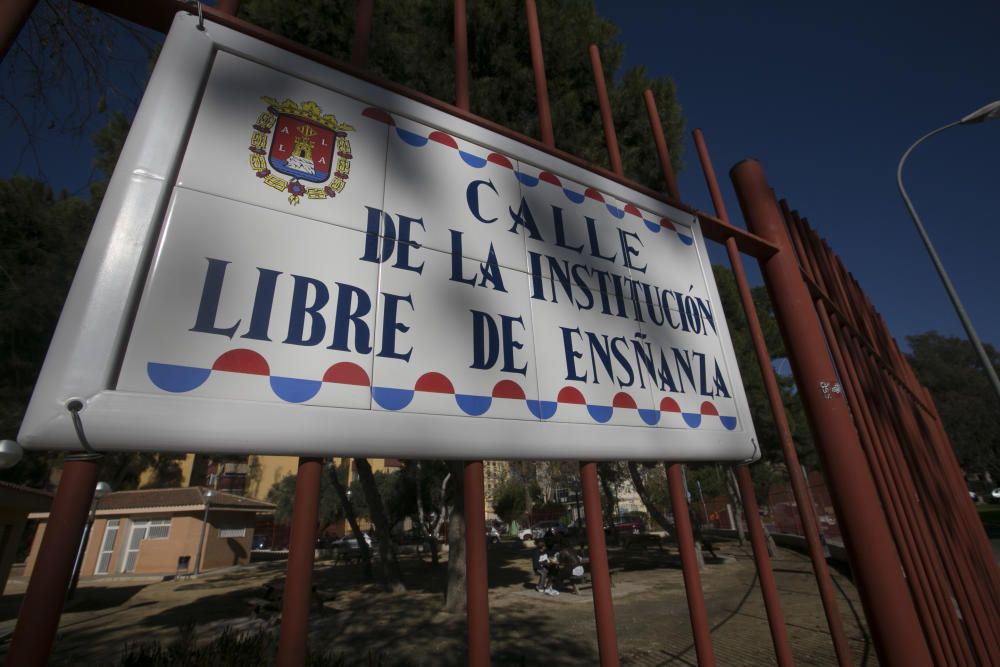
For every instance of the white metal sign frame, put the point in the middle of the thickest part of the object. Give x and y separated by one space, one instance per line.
111 330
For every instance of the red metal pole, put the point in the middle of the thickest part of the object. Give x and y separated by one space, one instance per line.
38 618
362 33
538 65
930 608
663 153
230 7
477 584
916 575
301 550
768 587
461 57
13 15
477 597
600 575
889 609
800 490
614 156
689 566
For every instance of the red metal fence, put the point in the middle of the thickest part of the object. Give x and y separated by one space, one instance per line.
924 570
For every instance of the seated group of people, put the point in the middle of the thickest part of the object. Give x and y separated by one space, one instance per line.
554 566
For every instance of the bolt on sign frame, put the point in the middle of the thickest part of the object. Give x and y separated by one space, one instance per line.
943 608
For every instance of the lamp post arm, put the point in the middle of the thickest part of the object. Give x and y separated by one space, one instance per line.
952 294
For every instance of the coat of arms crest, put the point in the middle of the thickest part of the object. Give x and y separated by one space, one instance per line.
302 143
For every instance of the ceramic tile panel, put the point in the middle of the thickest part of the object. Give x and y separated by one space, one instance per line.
667 256
575 227
448 194
587 371
694 386
231 310
271 140
456 340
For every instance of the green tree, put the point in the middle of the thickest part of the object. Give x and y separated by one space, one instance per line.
510 500
411 44
950 369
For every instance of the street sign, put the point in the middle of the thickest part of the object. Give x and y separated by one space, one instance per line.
290 259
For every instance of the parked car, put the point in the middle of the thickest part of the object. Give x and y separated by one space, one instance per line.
973 496
492 535
539 530
994 495
349 544
524 534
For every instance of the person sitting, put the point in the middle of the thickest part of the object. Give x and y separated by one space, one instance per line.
542 565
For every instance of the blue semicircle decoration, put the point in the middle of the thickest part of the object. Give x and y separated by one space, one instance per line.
685 239
651 417
652 226
600 413
728 422
526 179
615 211
391 398
472 160
692 419
575 197
473 405
411 137
542 409
294 390
176 379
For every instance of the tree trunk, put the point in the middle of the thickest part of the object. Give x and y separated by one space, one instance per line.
640 488
352 520
420 500
392 578
610 497
454 601
734 494
443 515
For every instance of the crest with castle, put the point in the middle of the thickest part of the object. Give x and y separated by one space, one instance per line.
301 142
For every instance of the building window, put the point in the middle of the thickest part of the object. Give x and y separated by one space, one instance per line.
159 529
233 532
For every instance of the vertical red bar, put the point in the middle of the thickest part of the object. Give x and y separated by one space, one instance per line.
768 587
362 33
662 152
689 566
477 599
38 618
916 577
800 490
610 138
538 65
13 15
477 585
600 575
889 608
461 57
301 550
228 6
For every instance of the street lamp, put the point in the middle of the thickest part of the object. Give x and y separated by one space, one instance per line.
207 497
100 490
989 112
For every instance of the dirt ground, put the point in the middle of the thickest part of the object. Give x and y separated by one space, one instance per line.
527 627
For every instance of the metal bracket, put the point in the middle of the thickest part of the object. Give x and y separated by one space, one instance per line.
201 15
74 406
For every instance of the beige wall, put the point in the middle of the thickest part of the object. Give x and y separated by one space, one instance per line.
160 556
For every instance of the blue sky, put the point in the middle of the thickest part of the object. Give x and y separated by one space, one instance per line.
827 96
